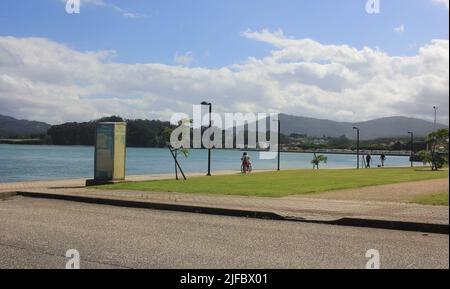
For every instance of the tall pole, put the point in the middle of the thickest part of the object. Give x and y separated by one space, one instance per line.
279 143
435 117
210 126
176 166
433 147
357 147
209 149
412 148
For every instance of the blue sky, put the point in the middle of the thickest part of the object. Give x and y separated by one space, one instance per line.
151 59
210 30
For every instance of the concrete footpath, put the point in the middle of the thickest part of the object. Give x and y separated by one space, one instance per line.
374 214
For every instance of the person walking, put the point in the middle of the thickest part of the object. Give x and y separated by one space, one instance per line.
245 163
368 160
383 159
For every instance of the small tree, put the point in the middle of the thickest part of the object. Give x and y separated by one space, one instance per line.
425 157
185 153
438 141
317 159
182 150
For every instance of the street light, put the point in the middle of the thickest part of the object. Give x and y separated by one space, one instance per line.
435 116
357 145
210 125
279 143
412 147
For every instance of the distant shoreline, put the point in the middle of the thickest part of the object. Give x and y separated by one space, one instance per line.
33 141
320 151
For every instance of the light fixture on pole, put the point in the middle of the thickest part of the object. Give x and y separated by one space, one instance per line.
279 143
435 116
357 146
412 147
210 125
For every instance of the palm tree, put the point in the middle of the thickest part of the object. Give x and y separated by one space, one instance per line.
317 159
438 141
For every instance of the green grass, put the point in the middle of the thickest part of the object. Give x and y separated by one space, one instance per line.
436 200
284 183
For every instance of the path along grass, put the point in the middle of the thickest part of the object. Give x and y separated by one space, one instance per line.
284 183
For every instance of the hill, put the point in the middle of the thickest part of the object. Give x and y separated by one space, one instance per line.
13 128
373 129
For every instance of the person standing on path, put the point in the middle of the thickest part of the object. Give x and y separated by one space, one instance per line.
383 159
368 160
245 167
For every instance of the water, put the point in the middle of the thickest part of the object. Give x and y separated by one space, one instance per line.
29 162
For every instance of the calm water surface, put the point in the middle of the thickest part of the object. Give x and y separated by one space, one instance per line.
30 162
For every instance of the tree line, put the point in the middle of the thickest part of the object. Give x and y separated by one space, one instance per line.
140 133
156 133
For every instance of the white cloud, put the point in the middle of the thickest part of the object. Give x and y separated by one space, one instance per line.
45 80
185 59
444 3
124 12
400 29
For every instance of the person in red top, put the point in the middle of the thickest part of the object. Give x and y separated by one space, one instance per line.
245 163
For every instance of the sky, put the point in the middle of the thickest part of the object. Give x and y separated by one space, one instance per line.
151 59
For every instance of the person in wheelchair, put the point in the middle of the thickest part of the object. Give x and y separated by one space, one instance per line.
246 166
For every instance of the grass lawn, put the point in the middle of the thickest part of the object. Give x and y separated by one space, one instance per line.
436 200
284 183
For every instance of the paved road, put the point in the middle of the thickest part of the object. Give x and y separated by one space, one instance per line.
36 234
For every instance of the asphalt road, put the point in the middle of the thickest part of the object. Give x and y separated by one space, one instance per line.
37 233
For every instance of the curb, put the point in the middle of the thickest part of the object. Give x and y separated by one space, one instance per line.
348 222
156 206
388 225
6 195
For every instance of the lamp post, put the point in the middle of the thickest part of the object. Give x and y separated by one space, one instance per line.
210 125
279 143
412 147
357 146
435 116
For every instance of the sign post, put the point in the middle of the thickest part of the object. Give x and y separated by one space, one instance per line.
110 153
